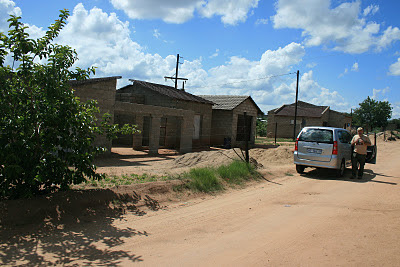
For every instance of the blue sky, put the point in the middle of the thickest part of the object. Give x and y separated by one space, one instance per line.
344 50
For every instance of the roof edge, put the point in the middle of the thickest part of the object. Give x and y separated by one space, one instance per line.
93 80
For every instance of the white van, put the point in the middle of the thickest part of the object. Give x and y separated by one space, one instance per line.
325 147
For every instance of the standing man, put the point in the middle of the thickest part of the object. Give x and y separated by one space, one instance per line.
360 143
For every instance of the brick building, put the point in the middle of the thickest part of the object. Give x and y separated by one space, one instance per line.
167 117
103 91
228 121
307 115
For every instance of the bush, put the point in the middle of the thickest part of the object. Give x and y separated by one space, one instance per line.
46 133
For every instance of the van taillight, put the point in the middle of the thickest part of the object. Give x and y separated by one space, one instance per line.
296 144
335 148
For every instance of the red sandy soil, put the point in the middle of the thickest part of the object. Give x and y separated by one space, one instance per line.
288 219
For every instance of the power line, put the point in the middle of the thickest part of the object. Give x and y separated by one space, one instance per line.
242 81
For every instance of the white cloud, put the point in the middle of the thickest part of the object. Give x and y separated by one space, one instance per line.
379 93
180 11
104 41
344 25
371 9
355 67
7 8
346 70
156 33
394 69
231 11
261 21
215 54
396 110
311 91
311 65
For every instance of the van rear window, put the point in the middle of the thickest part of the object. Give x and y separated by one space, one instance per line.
317 135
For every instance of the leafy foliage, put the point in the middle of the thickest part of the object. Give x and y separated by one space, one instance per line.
46 133
261 127
372 113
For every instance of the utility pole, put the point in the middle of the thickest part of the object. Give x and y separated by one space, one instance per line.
295 109
246 138
351 122
176 73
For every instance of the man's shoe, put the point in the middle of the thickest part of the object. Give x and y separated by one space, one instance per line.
360 177
352 177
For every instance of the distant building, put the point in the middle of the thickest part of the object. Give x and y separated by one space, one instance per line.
307 115
228 122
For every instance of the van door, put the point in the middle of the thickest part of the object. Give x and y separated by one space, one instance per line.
372 152
345 148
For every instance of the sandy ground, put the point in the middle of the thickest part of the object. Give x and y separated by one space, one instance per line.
124 160
286 220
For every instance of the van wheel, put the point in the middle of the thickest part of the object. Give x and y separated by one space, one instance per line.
341 170
300 169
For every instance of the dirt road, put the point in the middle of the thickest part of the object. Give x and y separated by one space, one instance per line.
309 220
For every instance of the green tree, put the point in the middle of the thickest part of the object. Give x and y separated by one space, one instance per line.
46 133
261 127
372 113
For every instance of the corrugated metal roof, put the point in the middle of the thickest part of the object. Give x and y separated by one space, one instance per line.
304 109
171 92
228 102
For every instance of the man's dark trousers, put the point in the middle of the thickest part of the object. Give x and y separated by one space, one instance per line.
360 158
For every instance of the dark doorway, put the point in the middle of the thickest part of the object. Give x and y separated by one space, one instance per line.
146 131
241 128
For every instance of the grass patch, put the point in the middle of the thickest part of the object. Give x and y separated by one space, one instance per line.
198 179
204 180
236 172
124 179
213 179
289 174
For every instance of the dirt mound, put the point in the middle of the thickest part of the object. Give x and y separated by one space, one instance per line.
206 158
281 155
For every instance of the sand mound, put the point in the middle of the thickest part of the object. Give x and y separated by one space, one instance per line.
206 158
282 155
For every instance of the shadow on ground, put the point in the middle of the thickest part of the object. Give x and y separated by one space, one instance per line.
67 227
327 174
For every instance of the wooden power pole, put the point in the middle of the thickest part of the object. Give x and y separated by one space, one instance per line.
176 73
295 109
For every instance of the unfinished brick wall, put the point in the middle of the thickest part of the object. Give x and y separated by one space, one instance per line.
339 120
221 126
103 91
136 93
